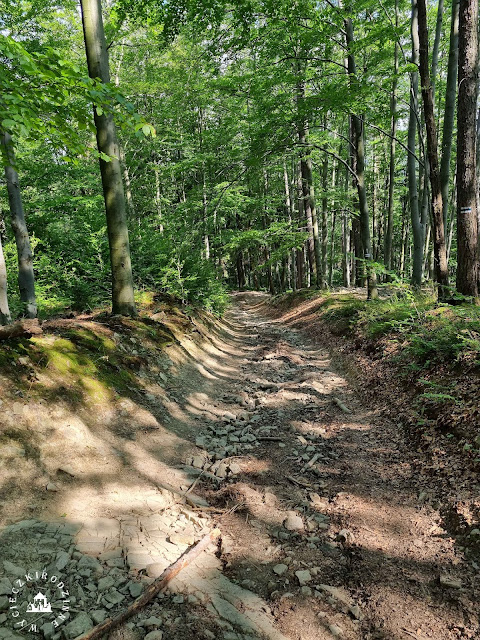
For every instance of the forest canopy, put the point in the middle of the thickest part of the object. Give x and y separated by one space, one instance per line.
256 144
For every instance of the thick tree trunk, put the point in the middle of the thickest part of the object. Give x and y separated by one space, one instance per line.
467 222
5 317
449 110
438 231
418 229
97 59
26 279
359 147
449 113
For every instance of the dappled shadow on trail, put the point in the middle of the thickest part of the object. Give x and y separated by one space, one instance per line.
111 409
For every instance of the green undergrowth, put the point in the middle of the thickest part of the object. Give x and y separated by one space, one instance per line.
425 332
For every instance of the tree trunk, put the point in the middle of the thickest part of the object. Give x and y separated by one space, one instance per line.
438 230
418 230
324 218
449 113
388 258
467 223
5 317
308 192
359 147
436 42
123 301
128 185
26 279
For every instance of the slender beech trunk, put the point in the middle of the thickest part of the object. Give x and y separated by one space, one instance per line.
359 147
418 229
449 113
388 258
324 234
467 222
438 231
289 209
436 42
123 301
308 191
26 279
5 317
346 249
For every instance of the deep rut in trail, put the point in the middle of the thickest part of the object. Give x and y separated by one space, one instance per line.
248 425
360 555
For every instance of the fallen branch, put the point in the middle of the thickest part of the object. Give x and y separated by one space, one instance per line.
153 589
310 463
299 482
340 404
270 438
21 329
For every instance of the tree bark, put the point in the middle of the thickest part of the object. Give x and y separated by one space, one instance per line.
123 301
467 222
418 229
5 316
449 113
388 258
438 230
359 147
26 279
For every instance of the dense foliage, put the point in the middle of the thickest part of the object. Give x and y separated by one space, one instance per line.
254 177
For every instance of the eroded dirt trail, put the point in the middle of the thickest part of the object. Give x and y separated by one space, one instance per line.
378 563
249 426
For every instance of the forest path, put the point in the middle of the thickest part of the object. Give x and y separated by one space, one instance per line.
326 532
379 564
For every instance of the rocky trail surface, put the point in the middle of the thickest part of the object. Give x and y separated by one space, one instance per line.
324 530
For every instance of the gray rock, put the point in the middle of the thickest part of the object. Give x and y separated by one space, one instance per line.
135 589
335 630
293 522
280 569
303 576
306 591
5 587
80 624
105 583
154 635
13 569
48 630
198 462
235 468
86 562
356 612
178 599
62 559
152 621
99 615
114 597
221 471
3 603
452 583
